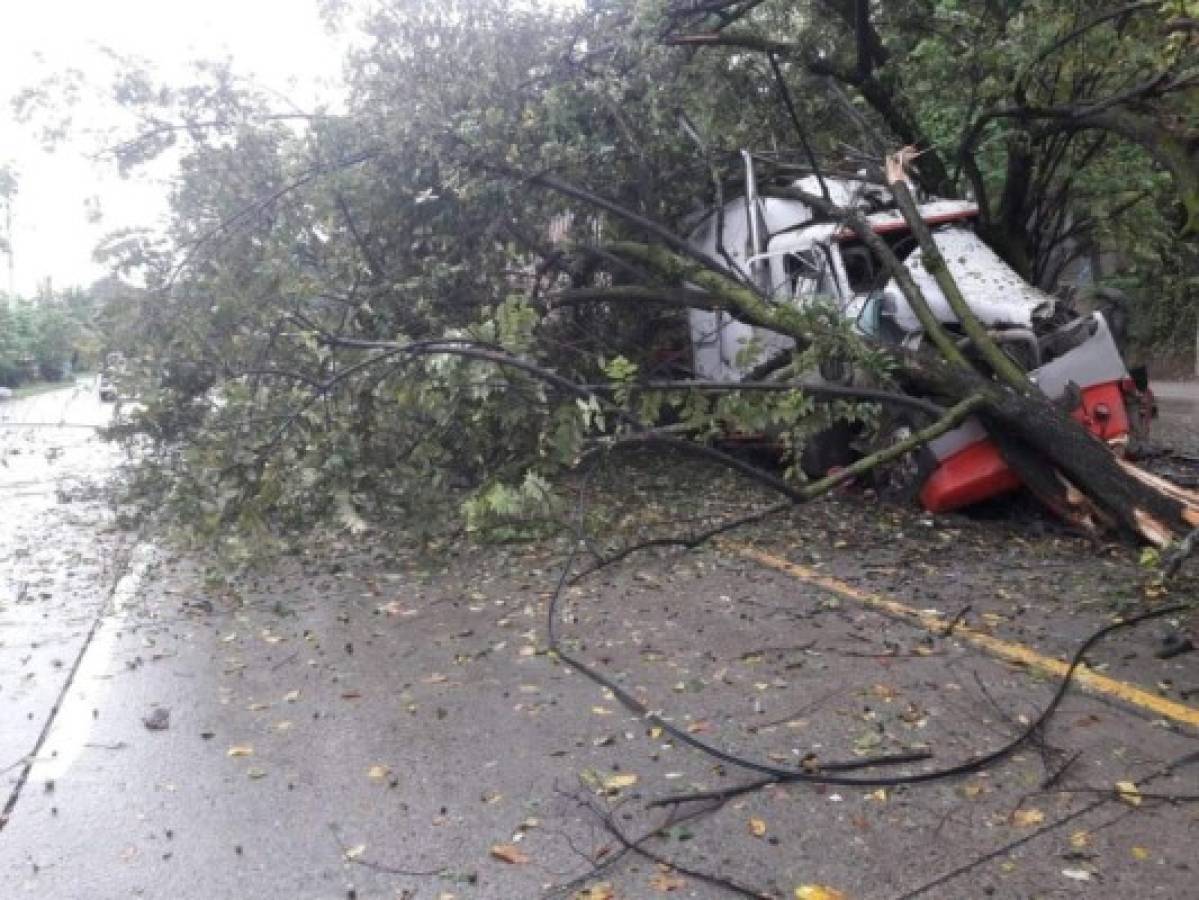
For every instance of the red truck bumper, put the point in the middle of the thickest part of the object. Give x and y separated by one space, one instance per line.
977 472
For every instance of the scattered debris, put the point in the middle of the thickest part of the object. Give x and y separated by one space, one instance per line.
510 854
159 719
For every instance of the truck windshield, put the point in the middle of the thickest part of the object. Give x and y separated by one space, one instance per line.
864 273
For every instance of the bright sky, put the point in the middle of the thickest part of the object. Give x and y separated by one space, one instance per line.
280 44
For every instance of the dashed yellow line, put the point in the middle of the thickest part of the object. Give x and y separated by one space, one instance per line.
1007 651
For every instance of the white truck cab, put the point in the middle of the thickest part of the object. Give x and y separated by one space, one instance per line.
803 259
799 258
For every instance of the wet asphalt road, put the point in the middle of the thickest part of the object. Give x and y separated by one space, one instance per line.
358 720
1178 422
56 561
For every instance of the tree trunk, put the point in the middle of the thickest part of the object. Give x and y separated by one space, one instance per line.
1032 432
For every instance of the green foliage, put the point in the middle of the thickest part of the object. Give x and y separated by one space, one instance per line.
412 215
506 511
47 337
390 223
1058 197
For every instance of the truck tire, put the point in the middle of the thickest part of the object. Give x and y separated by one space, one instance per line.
829 449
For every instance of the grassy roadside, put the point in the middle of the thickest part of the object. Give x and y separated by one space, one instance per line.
45 387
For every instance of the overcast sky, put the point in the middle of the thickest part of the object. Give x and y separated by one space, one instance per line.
281 44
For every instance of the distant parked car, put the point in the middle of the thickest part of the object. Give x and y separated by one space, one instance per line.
108 391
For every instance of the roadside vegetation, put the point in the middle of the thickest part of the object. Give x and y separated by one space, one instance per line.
48 338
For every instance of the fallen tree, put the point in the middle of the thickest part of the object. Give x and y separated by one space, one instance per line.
1074 473
384 317
366 318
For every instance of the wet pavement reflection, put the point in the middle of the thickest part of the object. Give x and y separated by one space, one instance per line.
59 557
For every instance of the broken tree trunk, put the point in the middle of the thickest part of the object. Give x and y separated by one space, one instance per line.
1073 472
1067 467
1070 470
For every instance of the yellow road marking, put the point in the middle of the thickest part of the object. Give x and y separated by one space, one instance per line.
1008 651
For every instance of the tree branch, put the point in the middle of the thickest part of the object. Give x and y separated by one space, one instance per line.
934 263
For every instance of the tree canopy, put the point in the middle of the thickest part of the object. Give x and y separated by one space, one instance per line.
331 322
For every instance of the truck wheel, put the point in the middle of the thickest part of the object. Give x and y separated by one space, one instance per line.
828 449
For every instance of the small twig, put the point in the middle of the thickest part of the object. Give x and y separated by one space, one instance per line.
892 759
376 866
1061 770
1007 848
802 711
604 860
1175 559
721 796
281 663
858 654
1000 851
956 620
1116 794
638 846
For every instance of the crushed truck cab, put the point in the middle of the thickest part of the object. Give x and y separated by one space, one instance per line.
800 258
969 467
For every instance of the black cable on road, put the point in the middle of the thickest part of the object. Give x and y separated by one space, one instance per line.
827 773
